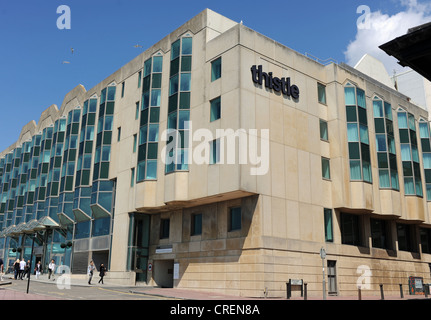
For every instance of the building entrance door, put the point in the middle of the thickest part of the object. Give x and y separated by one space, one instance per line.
163 274
332 277
139 238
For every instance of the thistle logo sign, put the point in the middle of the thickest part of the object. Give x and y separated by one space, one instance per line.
274 83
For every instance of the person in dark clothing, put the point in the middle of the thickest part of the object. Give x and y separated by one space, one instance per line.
102 272
1 269
16 269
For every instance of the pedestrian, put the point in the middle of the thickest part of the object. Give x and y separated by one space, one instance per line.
51 270
38 269
1 269
22 265
27 268
102 272
90 270
16 269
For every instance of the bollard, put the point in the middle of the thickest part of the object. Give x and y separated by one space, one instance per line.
381 292
288 290
305 291
359 293
401 291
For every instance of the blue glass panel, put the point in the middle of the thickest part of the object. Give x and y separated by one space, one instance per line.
349 94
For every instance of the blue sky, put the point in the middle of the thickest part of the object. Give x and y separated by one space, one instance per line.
103 34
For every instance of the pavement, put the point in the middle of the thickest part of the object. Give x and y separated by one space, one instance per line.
170 293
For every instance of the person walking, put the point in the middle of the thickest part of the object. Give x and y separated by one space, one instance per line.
90 271
102 272
51 270
16 269
1 269
38 269
27 269
22 265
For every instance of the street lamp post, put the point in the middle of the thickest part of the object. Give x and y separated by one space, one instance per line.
323 256
31 260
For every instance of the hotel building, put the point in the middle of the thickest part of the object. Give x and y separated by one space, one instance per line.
323 157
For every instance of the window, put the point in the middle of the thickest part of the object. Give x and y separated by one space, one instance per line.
385 143
139 78
196 227
215 111
216 69
350 229
119 134
132 177
123 85
409 154
135 142
425 240
426 154
404 237
215 151
329 234
164 228
137 111
323 130
326 173
332 277
379 235
357 134
235 219
321 93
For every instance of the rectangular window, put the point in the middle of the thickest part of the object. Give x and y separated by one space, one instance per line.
425 240
329 234
235 219
409 154
135 142
123 85
139 78
323 130
196 227
350 226
404 237
326 172
379 234
215 151
119 134
357 134
385 144
164 228
137 111
216 69
132 177
151 170
426 155
321 93
215 111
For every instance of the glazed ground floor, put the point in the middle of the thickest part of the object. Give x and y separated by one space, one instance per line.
226 247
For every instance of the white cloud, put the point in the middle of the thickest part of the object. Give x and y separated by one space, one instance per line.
381 28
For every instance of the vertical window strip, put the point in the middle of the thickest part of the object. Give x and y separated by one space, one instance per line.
357 134
424 132
150 119
385 145
409 154
179 104
102 187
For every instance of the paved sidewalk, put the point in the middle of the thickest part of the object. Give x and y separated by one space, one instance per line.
202 295
176 293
